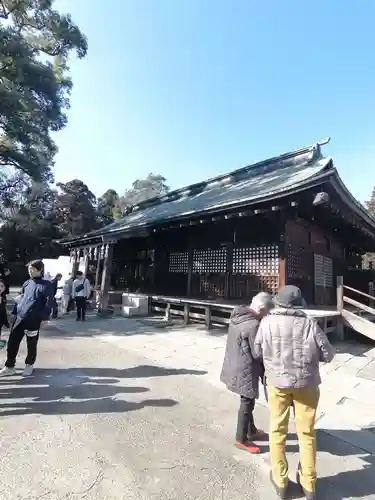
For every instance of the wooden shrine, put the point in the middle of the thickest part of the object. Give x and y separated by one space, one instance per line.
286 220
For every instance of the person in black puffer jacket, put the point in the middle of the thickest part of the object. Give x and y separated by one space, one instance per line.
241 372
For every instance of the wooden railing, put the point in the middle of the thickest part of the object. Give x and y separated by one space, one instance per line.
343 299
353 312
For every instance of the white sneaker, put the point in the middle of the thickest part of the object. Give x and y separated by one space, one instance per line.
28 371
7 371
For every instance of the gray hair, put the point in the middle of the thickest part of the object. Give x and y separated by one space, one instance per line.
261 300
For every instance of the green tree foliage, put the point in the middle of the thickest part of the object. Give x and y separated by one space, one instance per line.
29 225
144 189
75 208
35 42
33 216
108 207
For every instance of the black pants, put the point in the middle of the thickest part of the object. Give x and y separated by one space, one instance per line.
14 341
81 307
55 308
245 422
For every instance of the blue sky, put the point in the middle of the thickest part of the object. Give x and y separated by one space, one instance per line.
194 88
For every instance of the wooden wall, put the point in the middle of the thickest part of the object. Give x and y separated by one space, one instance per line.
227 260
314 258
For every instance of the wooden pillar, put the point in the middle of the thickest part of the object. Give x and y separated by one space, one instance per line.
97 273
282 252
74 260
106 277
86 261
228 274
340 332
190 272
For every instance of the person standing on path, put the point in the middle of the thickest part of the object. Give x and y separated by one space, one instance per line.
30 312
241 372
291 345
55 285
67 295
81 292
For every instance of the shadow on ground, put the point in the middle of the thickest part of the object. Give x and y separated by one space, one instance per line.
81 390
350 483
358 483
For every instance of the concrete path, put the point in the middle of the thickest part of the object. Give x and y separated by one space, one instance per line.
123 409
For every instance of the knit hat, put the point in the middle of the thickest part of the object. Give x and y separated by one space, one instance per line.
289 296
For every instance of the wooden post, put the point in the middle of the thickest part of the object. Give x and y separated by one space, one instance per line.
371 293
97 274
167 316
208 317
86 261
186 313
106 277
340 332
74 262
282 251
190 272
340 293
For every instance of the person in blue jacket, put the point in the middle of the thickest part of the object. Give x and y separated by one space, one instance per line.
31 310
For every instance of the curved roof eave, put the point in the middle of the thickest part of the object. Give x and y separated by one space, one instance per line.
316 180
349 199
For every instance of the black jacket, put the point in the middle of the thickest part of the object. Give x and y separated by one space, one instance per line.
35 303
241 372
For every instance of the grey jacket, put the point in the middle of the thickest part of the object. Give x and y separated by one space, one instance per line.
241 372
291 345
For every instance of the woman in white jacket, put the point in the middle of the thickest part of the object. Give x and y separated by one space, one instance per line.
80 293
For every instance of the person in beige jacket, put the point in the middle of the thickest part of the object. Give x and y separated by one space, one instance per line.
291 345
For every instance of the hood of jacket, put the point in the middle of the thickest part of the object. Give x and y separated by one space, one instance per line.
290 311
241 314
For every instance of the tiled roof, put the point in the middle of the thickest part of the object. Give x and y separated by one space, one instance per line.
268 179
235 190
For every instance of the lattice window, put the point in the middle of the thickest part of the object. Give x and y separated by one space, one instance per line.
323 271
296 263
258 260
210 261
178 262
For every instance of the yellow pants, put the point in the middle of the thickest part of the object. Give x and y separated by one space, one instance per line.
305 403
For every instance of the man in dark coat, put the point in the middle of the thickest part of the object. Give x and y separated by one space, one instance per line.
241 372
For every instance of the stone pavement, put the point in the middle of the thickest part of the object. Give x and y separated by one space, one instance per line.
96 422
346 420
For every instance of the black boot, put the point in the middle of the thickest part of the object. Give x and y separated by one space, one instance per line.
281 492
309 495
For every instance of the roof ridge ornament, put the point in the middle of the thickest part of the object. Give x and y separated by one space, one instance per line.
315 153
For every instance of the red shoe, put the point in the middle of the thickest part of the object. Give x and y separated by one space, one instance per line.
258 435
249 447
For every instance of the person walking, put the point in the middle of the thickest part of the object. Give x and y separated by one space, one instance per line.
30 312
55 285
291 345
67 295
81 292
241 372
